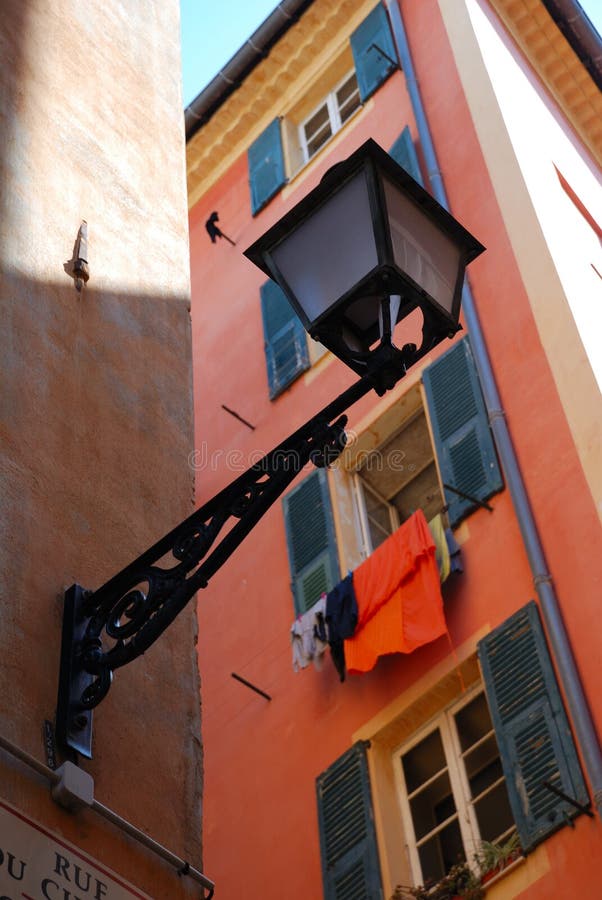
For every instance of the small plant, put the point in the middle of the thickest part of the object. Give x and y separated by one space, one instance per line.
460 881
493 857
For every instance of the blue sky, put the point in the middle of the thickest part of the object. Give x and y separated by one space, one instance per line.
213 30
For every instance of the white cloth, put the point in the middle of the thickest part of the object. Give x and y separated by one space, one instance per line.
306 644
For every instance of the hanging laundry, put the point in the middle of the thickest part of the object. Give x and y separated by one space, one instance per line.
341 619
308 639
455 555
398 594
447 549
437 529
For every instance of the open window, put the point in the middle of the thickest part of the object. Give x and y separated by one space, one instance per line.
327 103
467 766
395 479
452 789
330 116
432 450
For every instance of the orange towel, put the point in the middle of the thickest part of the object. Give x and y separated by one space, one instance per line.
398 597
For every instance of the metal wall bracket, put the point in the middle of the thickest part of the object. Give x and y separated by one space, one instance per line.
580 807
108 628
393 62
482 503
73 720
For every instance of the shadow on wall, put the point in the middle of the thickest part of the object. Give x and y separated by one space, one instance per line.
96 425
95 434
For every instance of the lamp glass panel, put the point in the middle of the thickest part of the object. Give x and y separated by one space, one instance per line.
420 249
331 250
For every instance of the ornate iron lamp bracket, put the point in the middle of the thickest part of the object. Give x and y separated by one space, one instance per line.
108 628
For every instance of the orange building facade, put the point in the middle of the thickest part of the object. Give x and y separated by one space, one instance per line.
467 732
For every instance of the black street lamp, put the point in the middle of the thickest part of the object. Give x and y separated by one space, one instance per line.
360 253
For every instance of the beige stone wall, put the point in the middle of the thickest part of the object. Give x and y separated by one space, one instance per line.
96 405
526 145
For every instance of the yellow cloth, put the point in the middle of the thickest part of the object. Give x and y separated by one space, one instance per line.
437 529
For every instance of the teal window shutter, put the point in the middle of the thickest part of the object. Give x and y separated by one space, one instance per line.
266 166
311 542
404 153
373 51
532 730
285 339
350 867
463 441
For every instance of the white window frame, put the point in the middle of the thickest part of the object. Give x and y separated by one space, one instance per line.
334 116
359 486
467 820
359 489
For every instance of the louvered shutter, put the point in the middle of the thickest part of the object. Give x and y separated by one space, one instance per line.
531 726
463 441
371 66
350 867
266 166
311 542
285 340
404 153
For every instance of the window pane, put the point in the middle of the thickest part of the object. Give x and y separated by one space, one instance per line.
319 140
484 769
317 121
347 90
423 761
473 722
378 534
441 852
348 98
379 517
483 766
420 248
493 813
317 130
432 805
